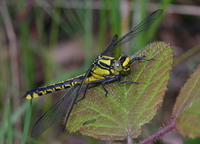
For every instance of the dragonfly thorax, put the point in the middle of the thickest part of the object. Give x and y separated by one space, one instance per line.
108 67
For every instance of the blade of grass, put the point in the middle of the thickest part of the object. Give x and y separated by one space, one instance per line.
115 20
4 123
53 38
10 125
54 29
140 8
147 36
27 56
43 52
15 116
67 27
75 16
88 34
102 27
115 17
27 123
187 54
152 31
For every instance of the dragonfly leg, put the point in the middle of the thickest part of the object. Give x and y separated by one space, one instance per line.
140 58
84 94
130 82
102 83
109 80
106 91
87 86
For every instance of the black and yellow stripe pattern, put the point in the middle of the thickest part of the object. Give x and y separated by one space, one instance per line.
103 67
53 88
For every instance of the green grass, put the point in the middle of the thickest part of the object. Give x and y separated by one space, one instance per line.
27 123
38 32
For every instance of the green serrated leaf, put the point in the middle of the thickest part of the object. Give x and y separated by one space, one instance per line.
127 106
186 110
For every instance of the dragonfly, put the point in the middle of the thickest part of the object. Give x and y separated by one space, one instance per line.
104 69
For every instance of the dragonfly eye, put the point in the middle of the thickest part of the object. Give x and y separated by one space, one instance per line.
118 66
124 60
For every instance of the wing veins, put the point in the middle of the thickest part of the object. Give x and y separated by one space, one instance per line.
60 110
138 29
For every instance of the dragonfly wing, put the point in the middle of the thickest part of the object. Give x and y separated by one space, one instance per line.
135 31
62 108
111 47
144 25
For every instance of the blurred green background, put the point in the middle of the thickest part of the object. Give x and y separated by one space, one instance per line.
46 41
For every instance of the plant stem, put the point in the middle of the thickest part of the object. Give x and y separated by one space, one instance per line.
129 140
158 134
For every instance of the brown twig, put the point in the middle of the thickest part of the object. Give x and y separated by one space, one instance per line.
158 134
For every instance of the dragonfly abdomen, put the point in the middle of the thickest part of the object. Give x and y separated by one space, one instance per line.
54 87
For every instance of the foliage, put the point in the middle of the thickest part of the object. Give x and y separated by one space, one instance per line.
127 106
31 32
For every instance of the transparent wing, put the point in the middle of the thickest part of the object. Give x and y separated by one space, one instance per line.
144 25
62 108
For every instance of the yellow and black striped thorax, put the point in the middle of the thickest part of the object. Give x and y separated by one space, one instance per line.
122 64
108 67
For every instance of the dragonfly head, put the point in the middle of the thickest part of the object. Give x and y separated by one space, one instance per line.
122 64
